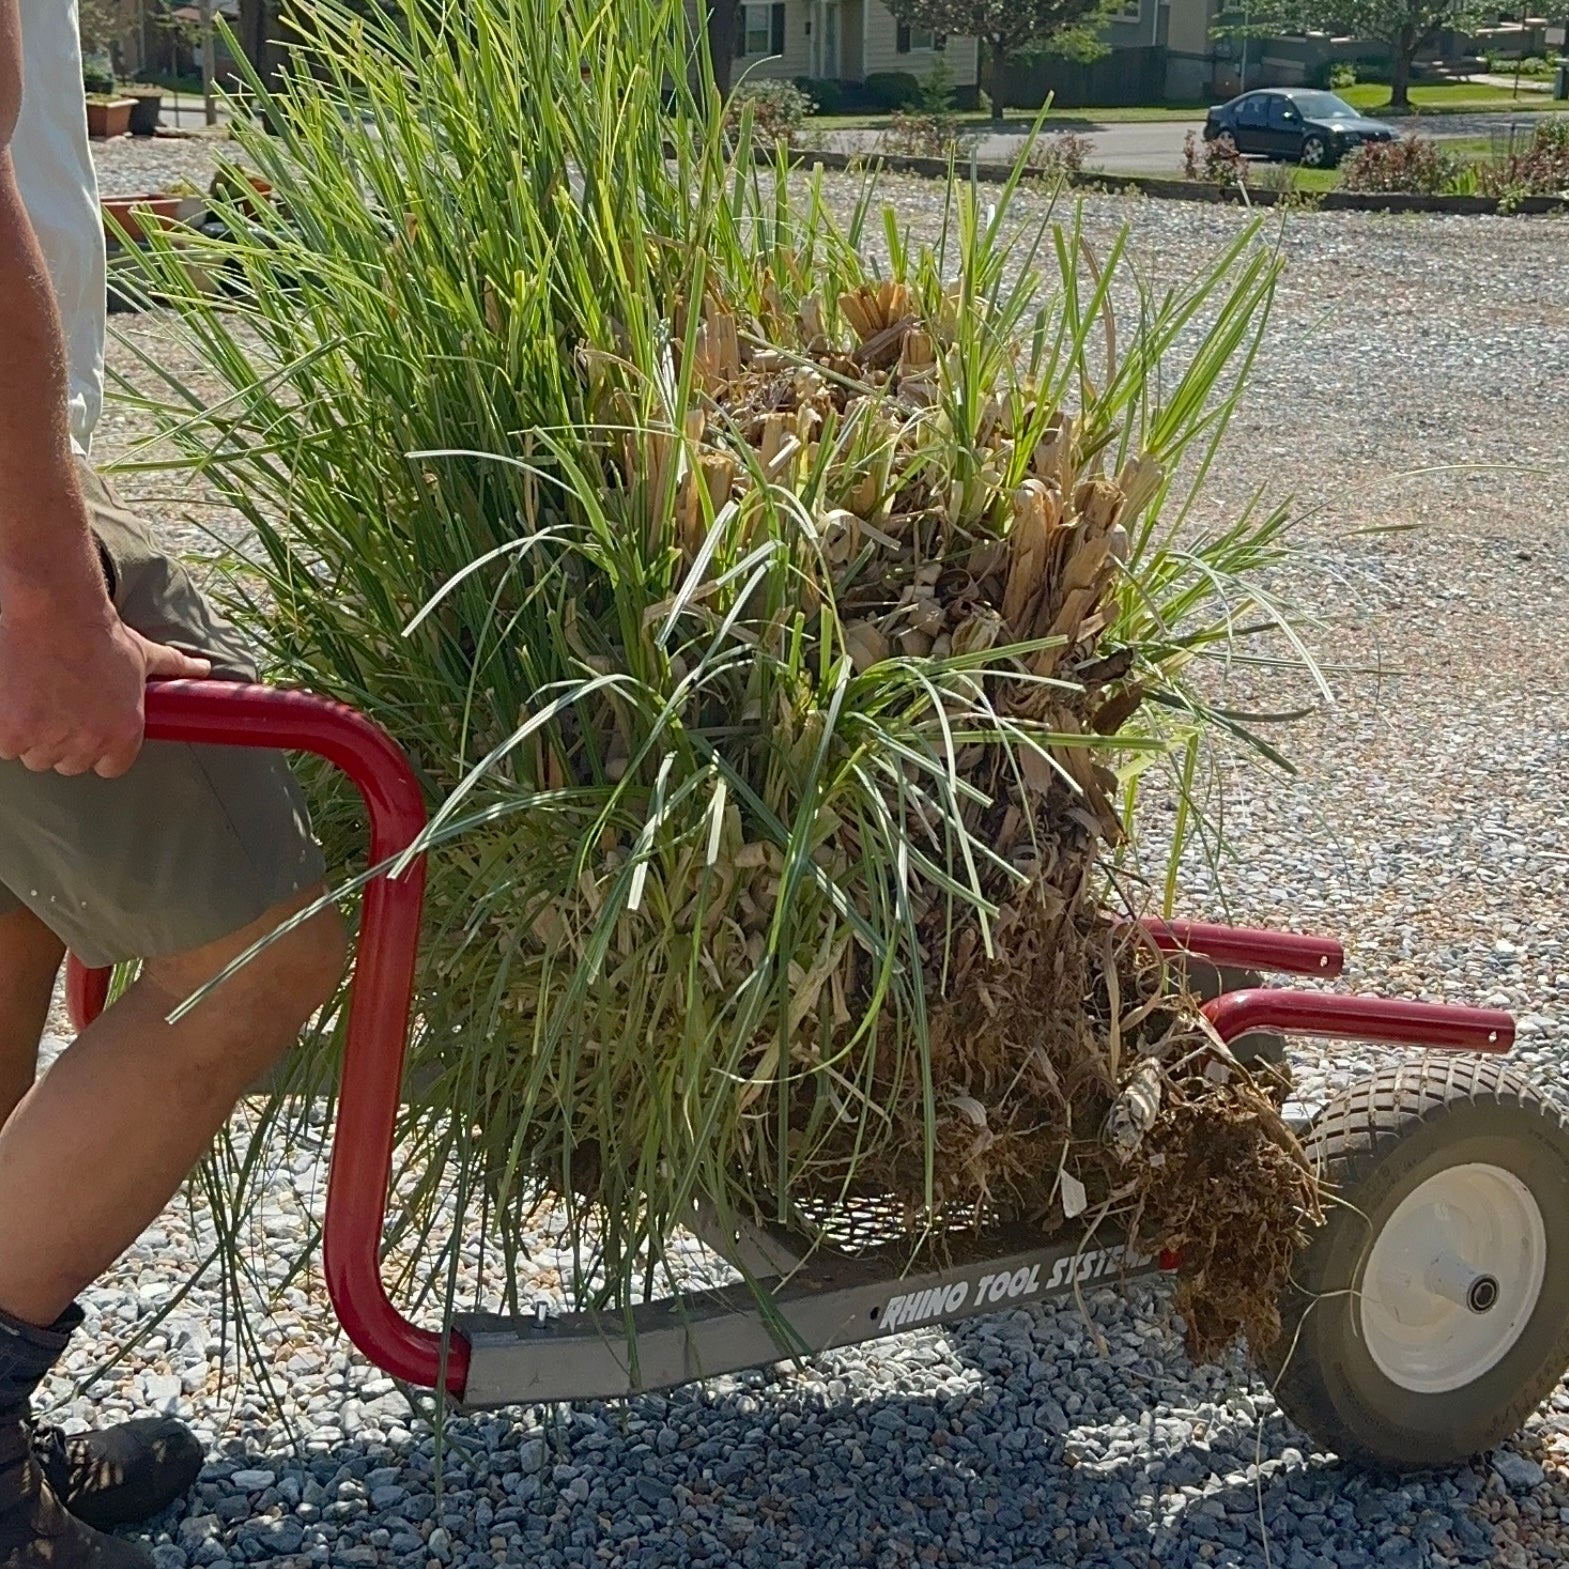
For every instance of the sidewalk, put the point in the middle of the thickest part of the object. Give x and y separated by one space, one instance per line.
1527 84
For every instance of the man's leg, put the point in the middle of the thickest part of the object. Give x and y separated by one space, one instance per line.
135 1101
30 958
181 855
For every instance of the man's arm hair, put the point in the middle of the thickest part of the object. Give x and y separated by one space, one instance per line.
48 562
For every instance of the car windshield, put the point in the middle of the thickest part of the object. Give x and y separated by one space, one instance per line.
1324 106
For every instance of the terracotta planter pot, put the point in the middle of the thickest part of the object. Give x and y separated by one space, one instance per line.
109 117
137 214
263 189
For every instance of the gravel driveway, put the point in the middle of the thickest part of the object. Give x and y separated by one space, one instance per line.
1414 376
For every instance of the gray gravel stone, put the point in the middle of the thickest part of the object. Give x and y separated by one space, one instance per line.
1518 1472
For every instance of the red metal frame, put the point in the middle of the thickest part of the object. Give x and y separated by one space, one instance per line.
1251 948
86 993
222 713
1388 1019
379 1000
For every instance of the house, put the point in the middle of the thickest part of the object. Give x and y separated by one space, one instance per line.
843 41
1181 51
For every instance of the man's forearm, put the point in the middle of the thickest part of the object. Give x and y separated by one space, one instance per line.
48 561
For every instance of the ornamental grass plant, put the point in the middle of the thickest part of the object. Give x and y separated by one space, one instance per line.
785 619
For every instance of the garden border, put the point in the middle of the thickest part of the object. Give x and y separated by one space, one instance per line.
1197 191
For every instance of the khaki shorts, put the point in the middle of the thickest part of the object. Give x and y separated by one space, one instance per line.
190 845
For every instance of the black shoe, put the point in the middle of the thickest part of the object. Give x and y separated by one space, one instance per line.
121 1475
36 1531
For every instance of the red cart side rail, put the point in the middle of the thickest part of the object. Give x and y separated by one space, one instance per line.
1391 1020
1251 948
86 993
227 714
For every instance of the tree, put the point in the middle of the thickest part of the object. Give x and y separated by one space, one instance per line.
98 26
1007 27
1407 26
724 18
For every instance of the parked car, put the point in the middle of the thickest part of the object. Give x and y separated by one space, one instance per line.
1296 124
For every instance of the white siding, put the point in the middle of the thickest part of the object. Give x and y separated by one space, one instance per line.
882 50
797 57
1188 32
962 55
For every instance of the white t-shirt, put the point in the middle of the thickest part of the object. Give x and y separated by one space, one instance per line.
54 171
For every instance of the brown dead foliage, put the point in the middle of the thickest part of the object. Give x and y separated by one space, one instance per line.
1064 1083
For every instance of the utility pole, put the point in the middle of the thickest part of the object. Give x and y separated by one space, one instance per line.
209 99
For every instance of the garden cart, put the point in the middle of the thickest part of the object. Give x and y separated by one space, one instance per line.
1427 1317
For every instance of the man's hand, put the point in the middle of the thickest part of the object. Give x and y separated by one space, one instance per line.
71 691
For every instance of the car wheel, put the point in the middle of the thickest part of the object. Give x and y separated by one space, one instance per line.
1315 153
1429 1316
1226 142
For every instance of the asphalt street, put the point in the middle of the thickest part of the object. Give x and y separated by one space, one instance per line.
1155 147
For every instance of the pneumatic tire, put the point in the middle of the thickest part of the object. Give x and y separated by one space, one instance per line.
1429 1316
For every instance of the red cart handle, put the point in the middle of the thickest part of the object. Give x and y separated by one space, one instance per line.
227 714
1391 1020
1253 948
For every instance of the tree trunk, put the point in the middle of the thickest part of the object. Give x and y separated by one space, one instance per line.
255 34
997 64
1405 54
723 19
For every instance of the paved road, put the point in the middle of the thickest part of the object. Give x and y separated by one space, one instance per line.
1155 147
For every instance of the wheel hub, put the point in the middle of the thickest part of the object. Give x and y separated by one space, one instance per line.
1483 1295
1452 1278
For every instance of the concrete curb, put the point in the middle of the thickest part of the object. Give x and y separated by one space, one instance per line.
1192 191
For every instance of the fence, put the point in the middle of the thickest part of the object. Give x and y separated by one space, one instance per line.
1125 76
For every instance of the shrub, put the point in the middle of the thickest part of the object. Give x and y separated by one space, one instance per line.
892 90
1537 65
1340 73
96 80
1414 166
917 134
1214 163
1062 153
829 95
1541 169
930 130
778 109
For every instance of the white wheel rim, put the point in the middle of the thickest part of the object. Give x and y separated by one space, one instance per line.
1452 1278
1313 154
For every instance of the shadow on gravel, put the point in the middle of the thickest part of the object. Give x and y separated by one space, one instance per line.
1008 1441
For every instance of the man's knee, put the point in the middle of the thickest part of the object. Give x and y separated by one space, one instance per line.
308 964
269 999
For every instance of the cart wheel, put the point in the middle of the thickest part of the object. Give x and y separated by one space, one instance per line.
1429 1317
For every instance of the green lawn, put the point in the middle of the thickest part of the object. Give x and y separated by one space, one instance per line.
1449 98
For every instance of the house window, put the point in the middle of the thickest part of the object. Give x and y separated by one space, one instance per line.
910 39
762 30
